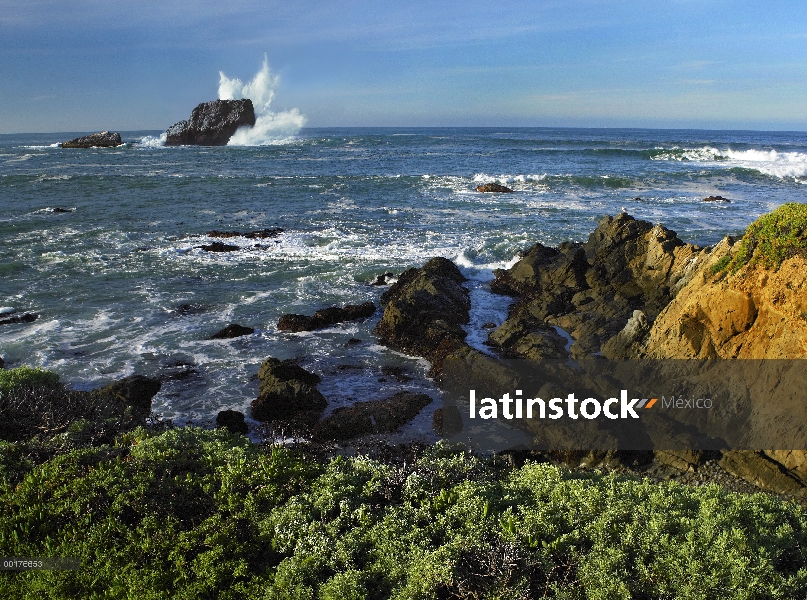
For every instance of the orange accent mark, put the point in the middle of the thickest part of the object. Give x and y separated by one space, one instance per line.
651 403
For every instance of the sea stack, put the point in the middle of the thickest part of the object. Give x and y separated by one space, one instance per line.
212 123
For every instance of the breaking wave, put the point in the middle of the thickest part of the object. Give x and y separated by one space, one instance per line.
270 127
783 165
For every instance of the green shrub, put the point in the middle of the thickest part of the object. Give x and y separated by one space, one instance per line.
773 238
26 376
205 514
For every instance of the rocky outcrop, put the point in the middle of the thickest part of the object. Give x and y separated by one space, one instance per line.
23 318
494 187
233 330
286 392
591 290
326 317
716 199
104 139
424 312
135 391
367 418
212 123
232 420
219 247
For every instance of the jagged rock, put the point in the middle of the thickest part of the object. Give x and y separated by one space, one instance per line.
447 421
762 472
286 390
232 421
136 391
219 247
493 187
212 123
325 317
627 343
528 338
233 330
592 289
376 416
716 199
383 279
682 460
252 235
424 312
23 318
104 139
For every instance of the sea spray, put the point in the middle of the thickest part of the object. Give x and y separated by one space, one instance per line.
270 127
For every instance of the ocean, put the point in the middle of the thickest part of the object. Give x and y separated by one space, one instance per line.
122 286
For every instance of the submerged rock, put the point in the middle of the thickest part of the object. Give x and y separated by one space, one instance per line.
716 199
326 317
233 330
219 247
232 421
376 416
383 279
212 123
285 391
23 318
494 187
424 312
104 139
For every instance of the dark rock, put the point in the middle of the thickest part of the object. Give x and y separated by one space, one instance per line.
232 421
376 416
189 309
104 139
60 210
397 373
285 390
233 330
489 325
260 234
716 199
219 247
23 318
352 342
383 279
136 391
212 123
591 290
326 317
424 312
493 187
2 363
447 421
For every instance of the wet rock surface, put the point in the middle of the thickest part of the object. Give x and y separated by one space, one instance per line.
325 317
233 330
103 139
493 187
373 417
23 318
259 234
232 421
136 391
212 123
219 247
286 391
424 312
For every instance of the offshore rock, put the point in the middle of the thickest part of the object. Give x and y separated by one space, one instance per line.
252 235
591 290
376 416
326 317
233 330
285 391
23 318
424 312
219 247
136 391
716 199
232 421
104 139
212 123
494 187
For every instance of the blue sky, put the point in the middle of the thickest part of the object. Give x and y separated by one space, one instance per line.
71 65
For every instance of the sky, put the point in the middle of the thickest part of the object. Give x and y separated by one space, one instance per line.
89 65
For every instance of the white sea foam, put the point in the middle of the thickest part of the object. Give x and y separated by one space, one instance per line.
154 141
784 165
270 127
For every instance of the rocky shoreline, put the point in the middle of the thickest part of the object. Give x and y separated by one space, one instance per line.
632 290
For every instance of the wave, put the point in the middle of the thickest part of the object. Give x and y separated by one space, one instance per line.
154 141
270 127
782 165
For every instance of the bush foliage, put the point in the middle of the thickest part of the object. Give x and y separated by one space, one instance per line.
190 513
773 238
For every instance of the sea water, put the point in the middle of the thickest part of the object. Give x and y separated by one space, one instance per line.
122 286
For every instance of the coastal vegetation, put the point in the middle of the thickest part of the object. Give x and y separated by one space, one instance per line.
192 513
